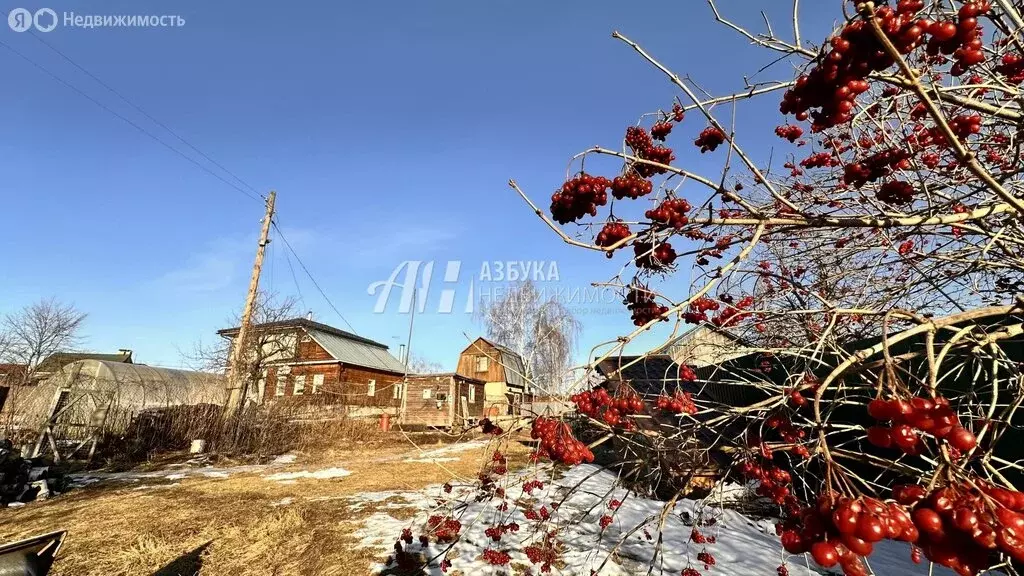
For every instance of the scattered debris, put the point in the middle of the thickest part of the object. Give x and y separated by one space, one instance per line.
26 479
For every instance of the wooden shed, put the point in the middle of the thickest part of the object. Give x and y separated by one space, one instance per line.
442 400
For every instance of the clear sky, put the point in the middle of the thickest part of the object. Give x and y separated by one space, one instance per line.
388 129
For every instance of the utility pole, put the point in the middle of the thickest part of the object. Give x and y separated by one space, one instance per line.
236 378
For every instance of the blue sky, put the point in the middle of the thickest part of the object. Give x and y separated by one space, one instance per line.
389 131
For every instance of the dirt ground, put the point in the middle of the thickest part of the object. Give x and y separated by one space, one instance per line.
241 524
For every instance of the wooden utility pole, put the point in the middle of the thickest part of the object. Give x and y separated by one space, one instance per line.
236 378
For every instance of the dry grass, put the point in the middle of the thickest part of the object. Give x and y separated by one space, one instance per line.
231 526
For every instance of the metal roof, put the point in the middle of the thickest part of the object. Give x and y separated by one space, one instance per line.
357 351
303 323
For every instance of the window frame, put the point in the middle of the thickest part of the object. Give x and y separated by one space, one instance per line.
427 393
318 384
299 385
472 394
281 385
484 361
397 391
371 387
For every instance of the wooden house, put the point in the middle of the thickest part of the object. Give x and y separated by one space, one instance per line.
443 400
306 361
506 385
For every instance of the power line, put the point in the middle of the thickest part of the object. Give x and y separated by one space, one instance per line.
295 279
128 121
146 114
311 279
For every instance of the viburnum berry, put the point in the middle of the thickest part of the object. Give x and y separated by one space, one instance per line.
605 521
558 443
896 192
612 233
677 112
672 212
578 197
653 257
660 130
709 139
789 132
640 302
630 185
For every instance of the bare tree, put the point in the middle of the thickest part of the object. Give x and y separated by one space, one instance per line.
421 365
38 330
543 332
262 347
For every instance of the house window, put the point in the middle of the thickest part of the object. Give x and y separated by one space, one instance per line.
318 383
282 381
472 394
300 386
371 388
398 391
426 393
482 362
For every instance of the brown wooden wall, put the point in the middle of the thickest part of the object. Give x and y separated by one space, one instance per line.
467 362
476 409
424 412
355 384
346 385
310 350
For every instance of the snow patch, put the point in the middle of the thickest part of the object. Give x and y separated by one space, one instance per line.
324 474
284 459
743 546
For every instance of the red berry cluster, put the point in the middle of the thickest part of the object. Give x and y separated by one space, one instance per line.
672 211
876 166
496 557
444 528
709 139
842 530
532 485
660 130
962 38
680 403
544 553
605 521
612 233
558 443
959 525
686 373
773 482
733 313
833 85
643 308
782 424
496 532
1012 66
934 417
782 570
896 192
646 255
699 309
630 185
578 197
598 404
643 146
706 557
789 132
963 125
690 572
677 112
